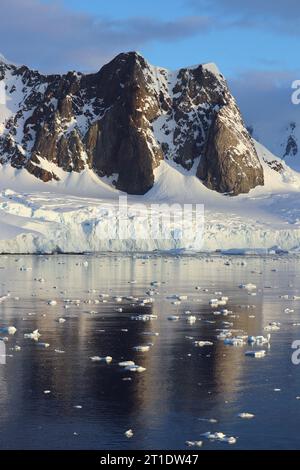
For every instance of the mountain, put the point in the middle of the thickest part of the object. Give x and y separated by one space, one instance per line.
282 140
123 121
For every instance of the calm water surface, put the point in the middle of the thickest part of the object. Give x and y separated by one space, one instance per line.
182 386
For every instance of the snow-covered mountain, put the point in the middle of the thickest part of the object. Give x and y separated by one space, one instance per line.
71 145
282 140
123 121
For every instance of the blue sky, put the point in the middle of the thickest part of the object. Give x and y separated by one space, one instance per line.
234 49
56 35
255 43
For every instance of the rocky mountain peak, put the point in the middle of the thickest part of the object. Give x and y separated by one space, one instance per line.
123 120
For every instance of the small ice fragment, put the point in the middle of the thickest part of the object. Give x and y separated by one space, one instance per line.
129 433
182 297
272 327
256 354
59 351
201 344
246 415
106 359
173 317
52 303
78 407
43 345
219 436
135 368
126 364
35 335
289 310
11 330
150 333
191 319
234 341
61 320
248 286
141 348
46 392
209 420
194 443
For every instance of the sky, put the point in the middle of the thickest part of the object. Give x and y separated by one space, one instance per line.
254 43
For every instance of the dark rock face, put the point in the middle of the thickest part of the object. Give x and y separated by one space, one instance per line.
291 147
122 121
230 164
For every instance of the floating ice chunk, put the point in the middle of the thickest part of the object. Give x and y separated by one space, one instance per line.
35 335
289 310
296 297
52 302
129 433
248 286
224 334
173 317
285 297
11 330
106 359
194 443
61 320
246 415
118 299
214 303
274 326
77 407
182 297
43 345
208 420
59 351
150 333
141 348
259 339
257 354
146 317
127 364
219 436
201 344
85 264
234 341
191 319
135 368
47 392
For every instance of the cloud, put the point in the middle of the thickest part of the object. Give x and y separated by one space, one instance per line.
278 15
51 37
264 98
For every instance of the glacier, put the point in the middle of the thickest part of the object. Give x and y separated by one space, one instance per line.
74 215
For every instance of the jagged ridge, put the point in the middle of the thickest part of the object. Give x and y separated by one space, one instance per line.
123 120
